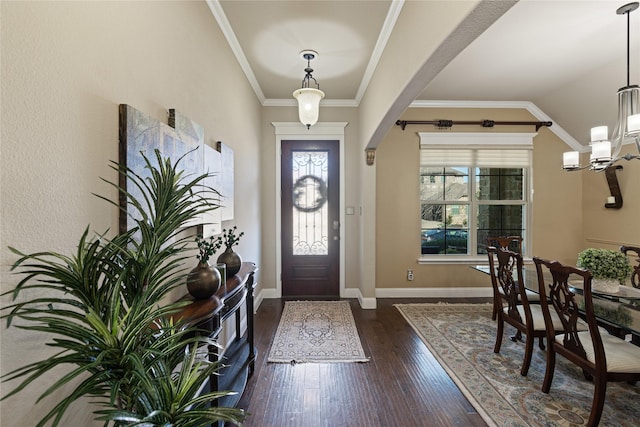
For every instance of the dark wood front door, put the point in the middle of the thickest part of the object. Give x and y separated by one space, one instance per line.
310 219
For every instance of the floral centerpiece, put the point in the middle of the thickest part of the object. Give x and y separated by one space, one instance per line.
609 268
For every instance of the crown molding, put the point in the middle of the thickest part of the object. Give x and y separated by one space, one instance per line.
225 26
387 28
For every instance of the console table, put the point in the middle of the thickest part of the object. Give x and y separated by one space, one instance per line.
238 361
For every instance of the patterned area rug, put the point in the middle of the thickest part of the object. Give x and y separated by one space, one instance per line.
461 337
317 331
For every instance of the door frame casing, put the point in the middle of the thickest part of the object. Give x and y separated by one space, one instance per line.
321 131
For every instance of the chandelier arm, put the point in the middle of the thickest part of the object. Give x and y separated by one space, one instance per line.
603 167
628 48
577 168
630 156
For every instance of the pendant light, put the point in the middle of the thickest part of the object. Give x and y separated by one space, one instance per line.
308 97
604 151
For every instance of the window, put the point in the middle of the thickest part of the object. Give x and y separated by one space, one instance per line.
472 186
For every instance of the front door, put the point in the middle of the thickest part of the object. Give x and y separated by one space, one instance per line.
310 219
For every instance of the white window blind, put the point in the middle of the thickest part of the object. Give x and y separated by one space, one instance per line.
499 158
476 149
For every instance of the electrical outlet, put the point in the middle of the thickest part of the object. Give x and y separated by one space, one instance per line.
409 274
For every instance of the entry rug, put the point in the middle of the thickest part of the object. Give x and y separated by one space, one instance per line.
317 332
461 337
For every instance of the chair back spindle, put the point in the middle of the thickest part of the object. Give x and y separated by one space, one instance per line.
508 263
513 243
635 275
512 303
563 301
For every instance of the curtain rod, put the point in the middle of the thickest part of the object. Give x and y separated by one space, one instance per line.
443 124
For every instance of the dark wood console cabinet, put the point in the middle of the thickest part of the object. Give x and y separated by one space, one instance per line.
238 360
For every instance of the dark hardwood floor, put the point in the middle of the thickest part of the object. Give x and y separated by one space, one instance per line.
402 385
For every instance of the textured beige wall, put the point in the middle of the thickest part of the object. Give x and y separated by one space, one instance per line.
557 218
557 215
610 228
65 68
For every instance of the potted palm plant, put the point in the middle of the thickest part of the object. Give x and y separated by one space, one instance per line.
102 308
609 268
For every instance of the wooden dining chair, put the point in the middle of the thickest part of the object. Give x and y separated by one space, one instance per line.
509 291
635 275
602 357
513 243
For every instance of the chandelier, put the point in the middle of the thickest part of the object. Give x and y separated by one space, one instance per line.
308 97
604 151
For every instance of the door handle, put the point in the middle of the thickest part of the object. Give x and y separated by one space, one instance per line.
336 225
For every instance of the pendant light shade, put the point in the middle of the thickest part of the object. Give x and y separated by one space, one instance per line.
628 105
308 105
308 97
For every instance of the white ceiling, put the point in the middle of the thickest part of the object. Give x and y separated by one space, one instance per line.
568 57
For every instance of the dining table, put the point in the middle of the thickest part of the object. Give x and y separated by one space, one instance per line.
618 312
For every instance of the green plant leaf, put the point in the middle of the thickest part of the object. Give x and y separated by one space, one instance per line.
104 309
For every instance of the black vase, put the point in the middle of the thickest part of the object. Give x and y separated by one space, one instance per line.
232 260
203 281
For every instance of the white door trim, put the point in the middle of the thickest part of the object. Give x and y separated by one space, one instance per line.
298 131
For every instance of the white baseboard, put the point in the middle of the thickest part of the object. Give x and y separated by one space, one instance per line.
264 294
370 303
484 292
365 303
